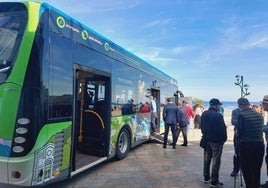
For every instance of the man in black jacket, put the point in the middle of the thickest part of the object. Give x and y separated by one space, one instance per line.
182 127
251 144
214 132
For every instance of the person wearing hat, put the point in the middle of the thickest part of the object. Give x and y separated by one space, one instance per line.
265 130
214 131
251 144
265 104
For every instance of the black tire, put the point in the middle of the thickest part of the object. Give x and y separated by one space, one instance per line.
122 145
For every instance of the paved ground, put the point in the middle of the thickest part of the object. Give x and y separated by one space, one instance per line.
149 165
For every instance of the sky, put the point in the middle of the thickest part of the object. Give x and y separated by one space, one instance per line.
203 44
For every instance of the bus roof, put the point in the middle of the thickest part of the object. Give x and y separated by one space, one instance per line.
85 35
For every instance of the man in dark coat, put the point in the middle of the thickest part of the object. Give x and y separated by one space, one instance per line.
182 127
171 117
214 132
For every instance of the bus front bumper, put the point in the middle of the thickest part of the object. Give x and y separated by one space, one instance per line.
16 171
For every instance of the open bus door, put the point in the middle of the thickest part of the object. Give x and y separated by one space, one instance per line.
155 92
92 118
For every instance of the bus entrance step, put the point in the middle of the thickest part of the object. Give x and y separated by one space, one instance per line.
92 148
159 139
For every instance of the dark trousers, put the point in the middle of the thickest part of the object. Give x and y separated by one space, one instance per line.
251 158
153 122
236 158
197 121
173 130
184 134
212 158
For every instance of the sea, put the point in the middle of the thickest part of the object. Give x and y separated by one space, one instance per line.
228 105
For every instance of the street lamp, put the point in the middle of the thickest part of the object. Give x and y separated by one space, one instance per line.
240 82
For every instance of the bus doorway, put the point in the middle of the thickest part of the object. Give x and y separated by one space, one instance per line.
92 117
155 92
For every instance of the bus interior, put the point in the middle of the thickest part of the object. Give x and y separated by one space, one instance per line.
92 107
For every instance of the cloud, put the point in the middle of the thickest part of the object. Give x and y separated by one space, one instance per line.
94 6
243 33
183 49
257 40
154 56
158 22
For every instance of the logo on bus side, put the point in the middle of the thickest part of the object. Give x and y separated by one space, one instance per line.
84 34
106 46
61 22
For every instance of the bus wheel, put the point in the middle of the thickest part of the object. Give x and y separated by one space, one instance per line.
123 145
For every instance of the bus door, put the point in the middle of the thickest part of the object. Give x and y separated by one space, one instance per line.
155 92
92 125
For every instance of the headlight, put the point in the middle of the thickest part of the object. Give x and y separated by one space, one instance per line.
19 140
21 130
18 149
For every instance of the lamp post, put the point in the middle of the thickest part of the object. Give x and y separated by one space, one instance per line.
240 82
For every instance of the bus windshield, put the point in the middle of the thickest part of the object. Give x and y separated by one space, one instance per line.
12 25
7 40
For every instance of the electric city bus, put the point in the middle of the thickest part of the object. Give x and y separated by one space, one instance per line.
62 88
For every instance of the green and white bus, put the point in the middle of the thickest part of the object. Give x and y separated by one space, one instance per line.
62 87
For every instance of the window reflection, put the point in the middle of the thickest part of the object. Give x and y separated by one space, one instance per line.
60 85
12 25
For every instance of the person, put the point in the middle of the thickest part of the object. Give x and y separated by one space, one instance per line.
257 108
234 121
182 127
145 108
190 114
153 115
171 118
251 144
265 130
127 108
197 117
214 131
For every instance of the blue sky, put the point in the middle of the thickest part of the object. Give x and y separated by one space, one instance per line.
201 43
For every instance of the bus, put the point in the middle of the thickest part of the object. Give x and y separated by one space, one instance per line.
62 88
